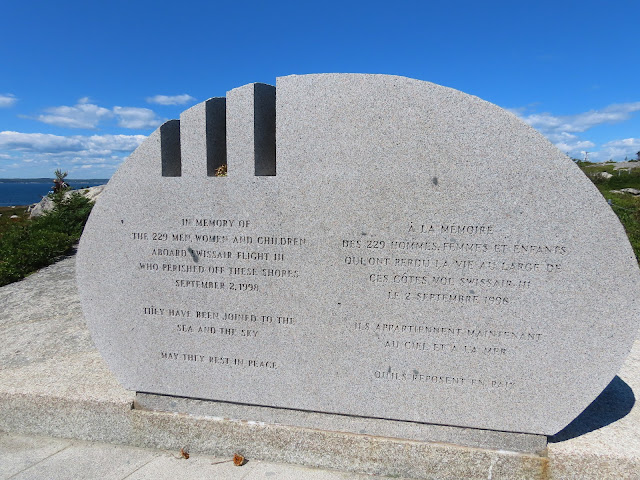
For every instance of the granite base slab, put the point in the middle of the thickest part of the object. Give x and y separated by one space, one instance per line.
379 427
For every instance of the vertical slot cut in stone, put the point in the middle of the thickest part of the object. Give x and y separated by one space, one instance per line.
264 129
216 119
170 149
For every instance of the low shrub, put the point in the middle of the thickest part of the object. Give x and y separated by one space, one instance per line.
625 180
597 178
36 243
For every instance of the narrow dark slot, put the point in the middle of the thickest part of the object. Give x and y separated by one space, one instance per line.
264 129
216 113
170 149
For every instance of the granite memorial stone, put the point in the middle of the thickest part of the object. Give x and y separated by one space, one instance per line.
381 247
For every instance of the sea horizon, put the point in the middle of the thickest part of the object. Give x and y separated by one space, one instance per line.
28 191
48 179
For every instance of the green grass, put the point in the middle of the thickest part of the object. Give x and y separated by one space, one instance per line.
6 221
626 206
29 244
628 211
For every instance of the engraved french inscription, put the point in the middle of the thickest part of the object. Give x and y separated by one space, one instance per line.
490 274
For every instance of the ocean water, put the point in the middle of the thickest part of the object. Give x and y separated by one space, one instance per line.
28 191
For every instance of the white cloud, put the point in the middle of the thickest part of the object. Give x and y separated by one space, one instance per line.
88 115
7 100
76 145
579 146
625 143
82 115
116 143
170 99
549 124
38 142
95 155
132 117
562 130
618 150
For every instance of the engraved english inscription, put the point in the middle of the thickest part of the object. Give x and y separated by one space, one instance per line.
219 254
230 257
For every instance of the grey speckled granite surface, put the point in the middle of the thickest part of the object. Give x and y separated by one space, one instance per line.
420 255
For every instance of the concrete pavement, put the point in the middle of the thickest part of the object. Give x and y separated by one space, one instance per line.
45 458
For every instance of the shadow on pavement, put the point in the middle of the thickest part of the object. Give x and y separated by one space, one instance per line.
612 404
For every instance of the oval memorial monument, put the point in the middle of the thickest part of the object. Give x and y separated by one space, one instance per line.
381 247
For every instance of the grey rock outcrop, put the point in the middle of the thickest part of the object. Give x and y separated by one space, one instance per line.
46 204
604 175
626 165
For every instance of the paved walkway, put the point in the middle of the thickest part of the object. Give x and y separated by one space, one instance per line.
45 458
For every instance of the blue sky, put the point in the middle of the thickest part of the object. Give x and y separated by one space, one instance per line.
82 83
